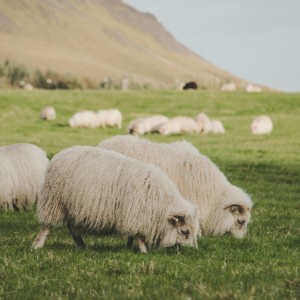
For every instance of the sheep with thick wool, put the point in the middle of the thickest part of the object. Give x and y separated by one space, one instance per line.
261 125
221 206
48 113
87 118
203 122
179 125
110 117
22 170
217 127
150 124
184 146
102 192
132 123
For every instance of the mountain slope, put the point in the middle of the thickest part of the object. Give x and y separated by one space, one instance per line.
97 39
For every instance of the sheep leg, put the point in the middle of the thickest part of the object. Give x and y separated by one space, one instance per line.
130 242
41 237
141 244
78 240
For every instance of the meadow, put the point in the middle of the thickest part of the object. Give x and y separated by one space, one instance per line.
263 265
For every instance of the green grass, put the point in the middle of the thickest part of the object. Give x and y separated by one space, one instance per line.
263 265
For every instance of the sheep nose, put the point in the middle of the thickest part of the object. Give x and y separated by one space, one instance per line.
186 232
241 222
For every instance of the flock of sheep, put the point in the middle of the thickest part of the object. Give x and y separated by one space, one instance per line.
160 124
160 195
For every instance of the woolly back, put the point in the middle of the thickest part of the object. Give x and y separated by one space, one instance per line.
98 189
22 170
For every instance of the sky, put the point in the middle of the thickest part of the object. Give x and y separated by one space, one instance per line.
257 40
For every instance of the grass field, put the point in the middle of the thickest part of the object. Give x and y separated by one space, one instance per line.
263 265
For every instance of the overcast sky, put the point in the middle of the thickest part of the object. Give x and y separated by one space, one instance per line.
258 40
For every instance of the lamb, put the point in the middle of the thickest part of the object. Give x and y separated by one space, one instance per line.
48 113
150 124
203 122
131 124
229 87
179 125
101 192
85 118
217 127
184 146
221 207
22 169
250 88
261 125
110 117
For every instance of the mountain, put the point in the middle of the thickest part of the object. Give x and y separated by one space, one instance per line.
97 39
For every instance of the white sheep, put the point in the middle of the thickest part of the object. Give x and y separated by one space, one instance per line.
203 122
85 118
131 124
110 117
150 124
178 125
184 146
22 170
48 113
250 88
28 87
102 192
221 206
229 87
217 127
261 125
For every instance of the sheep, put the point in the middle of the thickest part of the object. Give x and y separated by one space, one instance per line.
48 113
229 87
261 125
85 118
217 127
131 124
190 86
250 88
203 122
221 207
184 146
150 124
110 117
28 87
178 125
102 192
22 169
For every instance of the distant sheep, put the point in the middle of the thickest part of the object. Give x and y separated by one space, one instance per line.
217 127
150 124
221 206
178 125
101 192
87 118
229 87
28 87
250 88
110 117
131 124
204 123
48 113
22 170
184 146
190 86
262 125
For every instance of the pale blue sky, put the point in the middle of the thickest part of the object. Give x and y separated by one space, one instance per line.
258 40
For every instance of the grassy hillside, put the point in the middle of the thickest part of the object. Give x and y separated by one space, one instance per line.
264 265
97 39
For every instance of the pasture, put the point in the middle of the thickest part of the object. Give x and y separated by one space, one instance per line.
263 265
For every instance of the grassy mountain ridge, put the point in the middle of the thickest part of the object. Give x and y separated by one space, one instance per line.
97 39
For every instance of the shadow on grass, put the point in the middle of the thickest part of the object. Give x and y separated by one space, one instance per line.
62 125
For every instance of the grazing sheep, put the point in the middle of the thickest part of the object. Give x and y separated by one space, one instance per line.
261 125
184 146
150 124
101 192
178 125
85 118
28 87
190 86
48 113
131 124
221 206
217 127
110 117
228 87
204 123
22 170
250 88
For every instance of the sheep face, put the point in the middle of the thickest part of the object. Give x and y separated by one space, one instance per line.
180 231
